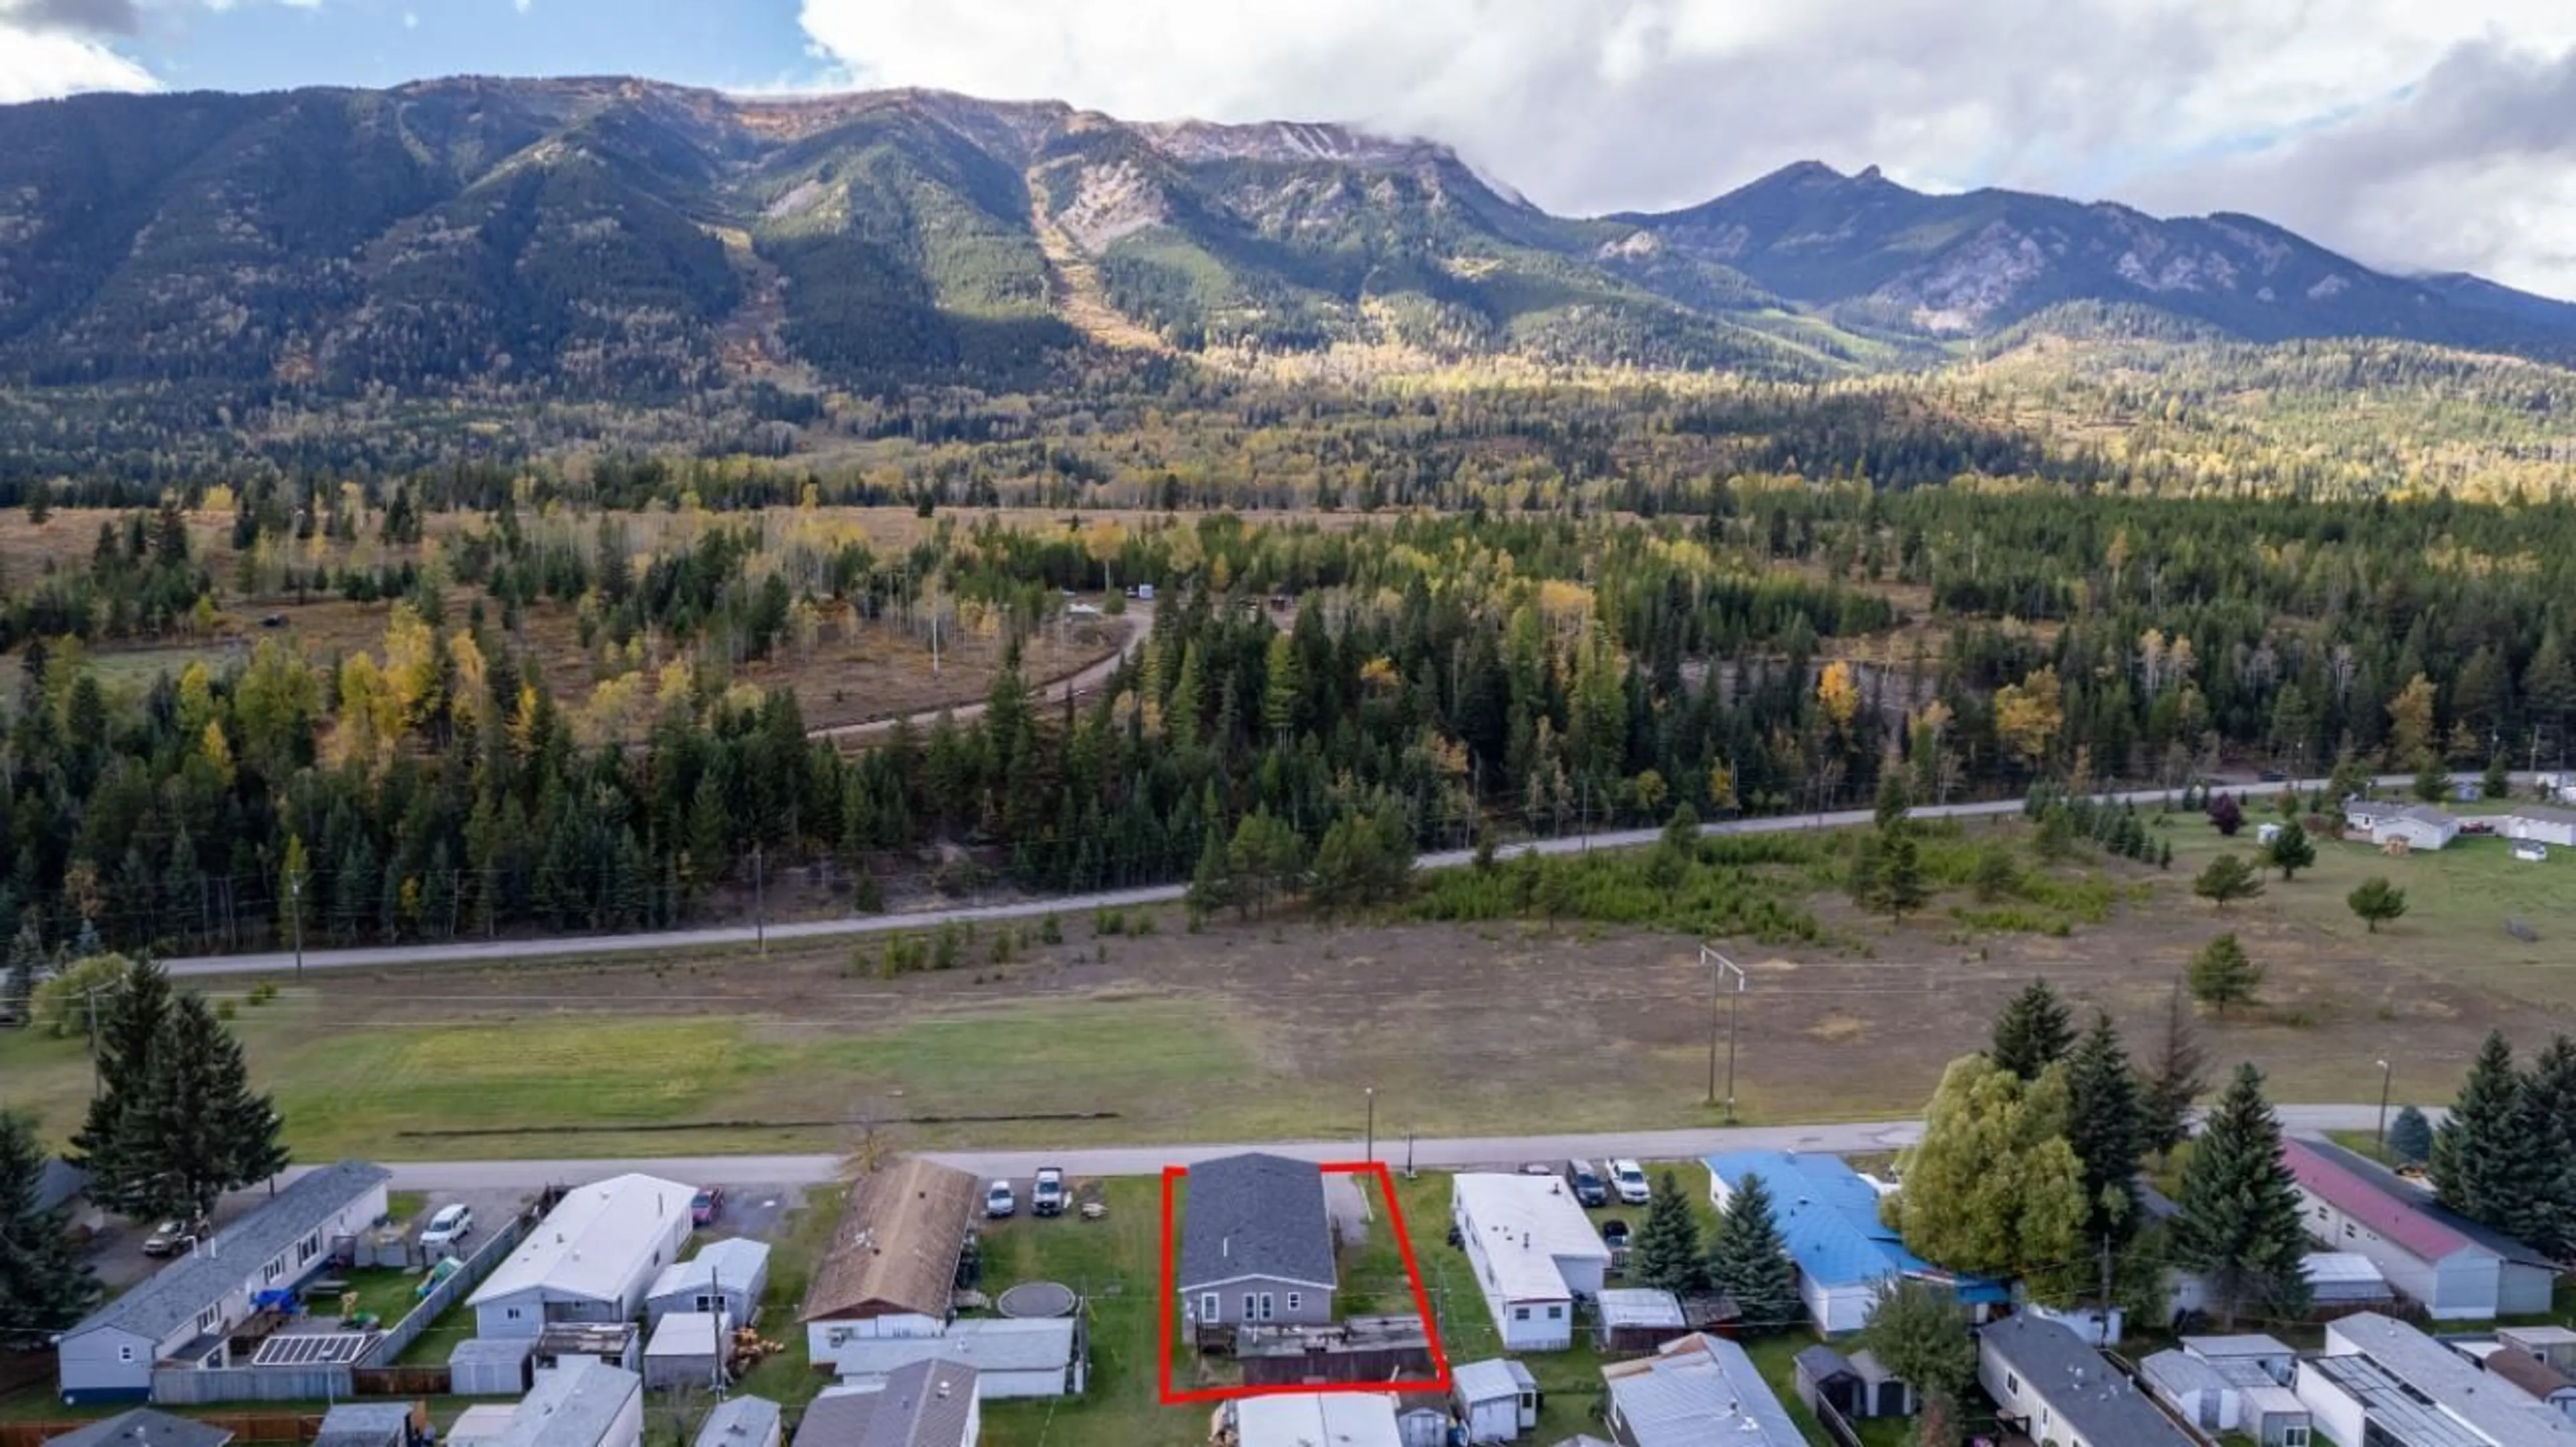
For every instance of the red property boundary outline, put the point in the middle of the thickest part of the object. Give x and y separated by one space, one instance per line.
1170 1309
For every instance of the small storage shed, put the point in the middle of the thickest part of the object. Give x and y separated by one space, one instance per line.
366 1424
1422 1420
728 1275
487 1366
687 1350
2193 1388
1497 1399
1882 1392
742 1422
2345 1281
1821 1374
1638 1319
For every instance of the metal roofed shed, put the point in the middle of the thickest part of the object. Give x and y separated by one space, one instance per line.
729 1275
1497 1399
1696 1391
688 1349
568 1342
2341 1279
367 1424
143 1425
1637 1318
490 1366
2545 1383
742 1422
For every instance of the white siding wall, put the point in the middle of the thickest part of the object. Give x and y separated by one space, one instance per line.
2336 1414
94 1362
628 1429
2464 1287
1494 1421
2552 831
2523 1290
1582 1273
824 1338
1845 1308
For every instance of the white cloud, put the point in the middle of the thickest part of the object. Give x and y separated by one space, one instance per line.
41 64
1606 104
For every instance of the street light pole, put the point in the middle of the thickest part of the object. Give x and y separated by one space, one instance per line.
2384 1073
1719 968
1372 1124
295 913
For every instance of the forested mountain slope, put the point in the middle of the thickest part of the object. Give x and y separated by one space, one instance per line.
607 259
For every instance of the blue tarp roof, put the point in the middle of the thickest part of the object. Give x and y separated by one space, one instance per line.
1829 1217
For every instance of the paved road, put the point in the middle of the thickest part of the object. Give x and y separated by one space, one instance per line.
736 935
1139 619
1441 1153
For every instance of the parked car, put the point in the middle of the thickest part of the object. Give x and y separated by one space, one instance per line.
1630 1178
1046 1198
999 1202
1585 1179
172 1237
706 1205
447 1228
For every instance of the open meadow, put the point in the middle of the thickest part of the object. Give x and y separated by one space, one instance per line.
1266 1029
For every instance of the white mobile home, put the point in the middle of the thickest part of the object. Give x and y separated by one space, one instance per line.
1038 1357
1535 1255
2539 823
590 1260
184 1314
2379 1382
2455 1268
2421 826
742 1422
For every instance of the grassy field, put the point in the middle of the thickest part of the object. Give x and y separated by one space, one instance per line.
1268 1029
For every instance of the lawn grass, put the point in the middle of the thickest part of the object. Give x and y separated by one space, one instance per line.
1115 1264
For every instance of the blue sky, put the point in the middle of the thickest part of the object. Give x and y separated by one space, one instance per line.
265 44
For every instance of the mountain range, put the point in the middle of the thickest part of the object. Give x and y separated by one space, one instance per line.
617 240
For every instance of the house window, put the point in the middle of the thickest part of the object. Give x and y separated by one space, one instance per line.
2295 1436
1556 1313
1296 1302
125 1354
510 1313
709 1303
1266 1312
1251 1305
1209 1310
272 1271
307 1249
1520 1313
2012 1385
206 1319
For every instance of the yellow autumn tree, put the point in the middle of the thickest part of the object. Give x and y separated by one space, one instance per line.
2410 722
1838 694
2029 714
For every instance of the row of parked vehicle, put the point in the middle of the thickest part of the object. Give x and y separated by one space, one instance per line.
1595 1184
1046 1196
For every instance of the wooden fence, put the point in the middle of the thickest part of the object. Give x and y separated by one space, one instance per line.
191 1387
399 1337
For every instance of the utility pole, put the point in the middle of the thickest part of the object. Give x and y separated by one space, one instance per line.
2384 1073
1719 969
759 904
295 915
1371 1154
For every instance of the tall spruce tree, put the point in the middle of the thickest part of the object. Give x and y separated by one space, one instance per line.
1750 1262
2485 1164
2106 1123
130 1019
2176 1078
196 1130
2033 1032
2546 1219
1666 1252
2410 1137
2237 1222
45 1282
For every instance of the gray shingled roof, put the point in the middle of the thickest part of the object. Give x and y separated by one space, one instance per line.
144 1427
2101 1406
365 1424
1256 1215
179 1291
739 1421
923 1405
